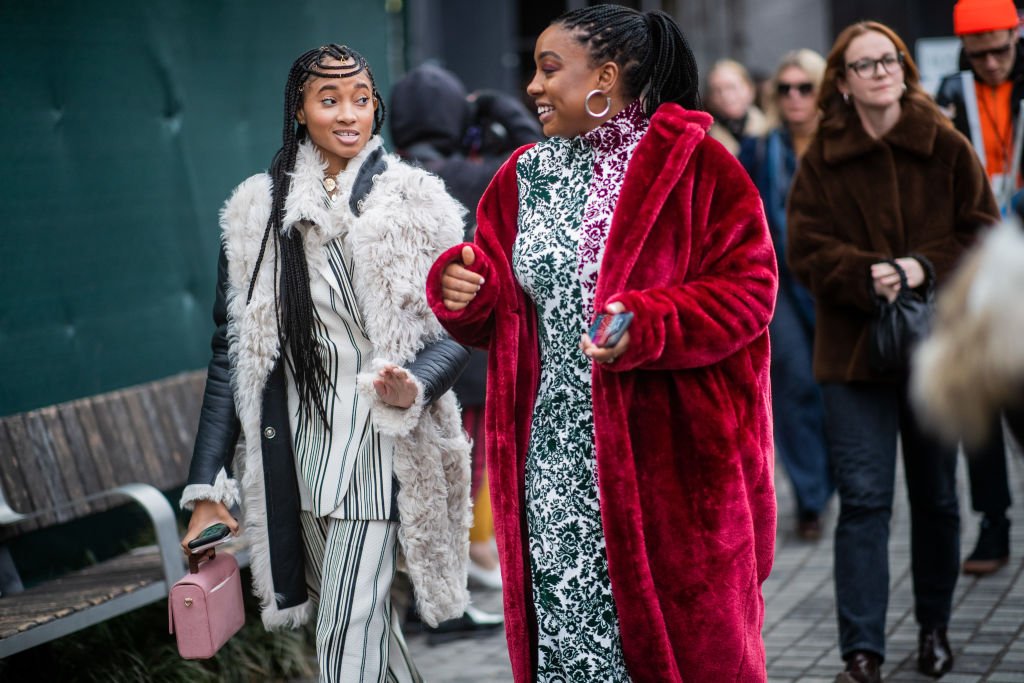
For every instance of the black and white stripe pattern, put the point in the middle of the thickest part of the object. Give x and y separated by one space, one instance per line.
345 466
350 566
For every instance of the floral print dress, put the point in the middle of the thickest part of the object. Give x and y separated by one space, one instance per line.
567 193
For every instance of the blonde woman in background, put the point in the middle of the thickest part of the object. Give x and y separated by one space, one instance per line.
771 160
730 100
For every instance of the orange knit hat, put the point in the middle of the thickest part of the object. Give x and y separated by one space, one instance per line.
980 16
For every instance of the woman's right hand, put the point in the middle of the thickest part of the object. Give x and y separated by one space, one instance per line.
459 285
204 514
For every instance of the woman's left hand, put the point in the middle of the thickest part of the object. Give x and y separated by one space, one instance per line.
610 354
395 387
887 280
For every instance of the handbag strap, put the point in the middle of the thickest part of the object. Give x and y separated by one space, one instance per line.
194 560
929 275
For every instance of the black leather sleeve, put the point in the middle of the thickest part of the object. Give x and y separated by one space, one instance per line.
438 365
218 422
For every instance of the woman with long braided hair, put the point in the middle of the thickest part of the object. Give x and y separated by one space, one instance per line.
330 366
631 484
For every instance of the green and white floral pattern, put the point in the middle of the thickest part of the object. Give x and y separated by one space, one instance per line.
578 628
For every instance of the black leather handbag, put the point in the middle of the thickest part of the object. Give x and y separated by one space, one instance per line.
898 325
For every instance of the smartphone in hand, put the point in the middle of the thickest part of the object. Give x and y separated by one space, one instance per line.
213 535
608 328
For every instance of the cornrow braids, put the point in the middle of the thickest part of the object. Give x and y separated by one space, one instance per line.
655 60
297 319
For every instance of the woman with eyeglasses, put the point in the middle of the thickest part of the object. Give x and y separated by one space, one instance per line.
886 177
771 161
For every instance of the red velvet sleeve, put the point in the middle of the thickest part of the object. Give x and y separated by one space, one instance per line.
727 297
472 325
492 246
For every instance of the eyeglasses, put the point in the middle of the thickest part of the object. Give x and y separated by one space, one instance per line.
981 55
867 68
804 89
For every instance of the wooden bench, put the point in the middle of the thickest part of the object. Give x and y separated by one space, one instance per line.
66 461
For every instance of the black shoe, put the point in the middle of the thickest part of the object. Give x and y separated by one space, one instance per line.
808 526
934 658
861 667
473 623
993 548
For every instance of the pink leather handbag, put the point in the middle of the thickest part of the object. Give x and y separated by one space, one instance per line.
205 606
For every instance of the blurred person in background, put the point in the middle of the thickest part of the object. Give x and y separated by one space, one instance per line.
984 102
971 366
632 483
771 160
886 177
730 100
464 139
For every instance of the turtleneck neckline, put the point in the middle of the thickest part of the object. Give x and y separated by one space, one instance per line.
617 130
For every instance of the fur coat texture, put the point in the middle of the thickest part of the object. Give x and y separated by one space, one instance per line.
972 365
682 420
406 221
855 200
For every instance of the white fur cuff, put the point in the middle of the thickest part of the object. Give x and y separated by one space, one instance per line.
223 490
289 617
390 420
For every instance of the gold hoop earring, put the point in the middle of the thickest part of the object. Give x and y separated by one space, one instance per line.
607 104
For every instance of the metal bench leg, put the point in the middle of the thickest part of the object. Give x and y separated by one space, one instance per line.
162 514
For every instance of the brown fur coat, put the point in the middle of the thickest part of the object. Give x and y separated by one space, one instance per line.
918 190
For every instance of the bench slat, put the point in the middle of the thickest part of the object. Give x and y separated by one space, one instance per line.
77 591
144 412
41 470
132 465
95 442
184 412
78 446
13 481
153 456
69 465
178 439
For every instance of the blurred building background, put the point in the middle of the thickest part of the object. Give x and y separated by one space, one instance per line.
455 33
125 125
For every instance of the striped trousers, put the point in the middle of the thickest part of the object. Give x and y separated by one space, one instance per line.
349 568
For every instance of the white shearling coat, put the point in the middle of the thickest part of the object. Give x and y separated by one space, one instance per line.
404 222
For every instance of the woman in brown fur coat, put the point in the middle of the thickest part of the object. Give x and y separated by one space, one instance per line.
886 178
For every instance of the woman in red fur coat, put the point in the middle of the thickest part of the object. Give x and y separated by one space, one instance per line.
631 485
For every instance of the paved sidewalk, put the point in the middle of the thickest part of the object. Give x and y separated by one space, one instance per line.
987 631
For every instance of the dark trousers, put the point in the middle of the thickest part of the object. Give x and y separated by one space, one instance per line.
986 469
797 408
862 421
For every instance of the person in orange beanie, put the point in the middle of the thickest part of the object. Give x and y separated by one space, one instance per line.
984 102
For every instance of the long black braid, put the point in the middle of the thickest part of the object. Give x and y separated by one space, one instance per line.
296 330
651 51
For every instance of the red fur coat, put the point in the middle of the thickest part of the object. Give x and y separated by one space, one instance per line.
682 420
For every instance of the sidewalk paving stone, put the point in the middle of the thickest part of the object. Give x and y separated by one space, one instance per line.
800 623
